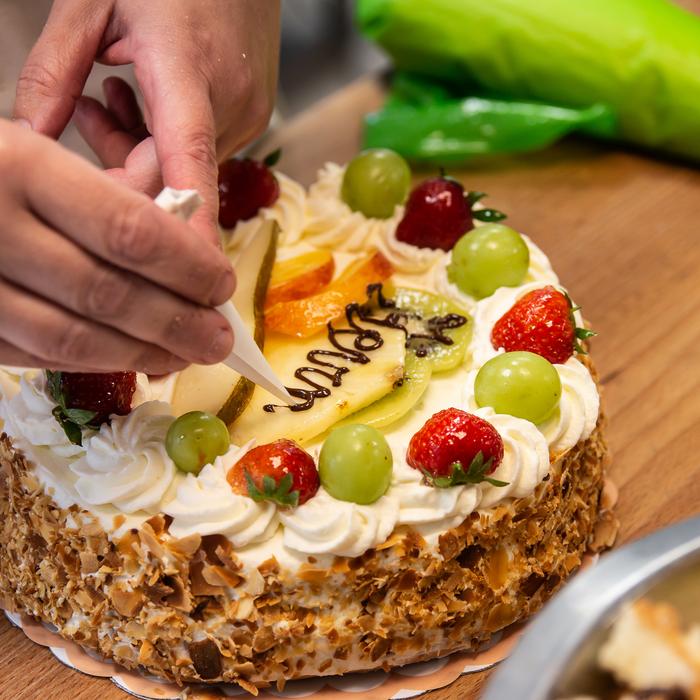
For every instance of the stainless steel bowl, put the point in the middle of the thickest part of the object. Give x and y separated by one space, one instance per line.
555 658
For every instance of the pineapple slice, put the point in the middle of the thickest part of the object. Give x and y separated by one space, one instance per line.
361 385
217 388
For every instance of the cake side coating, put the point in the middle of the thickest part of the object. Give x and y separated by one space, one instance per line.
186 609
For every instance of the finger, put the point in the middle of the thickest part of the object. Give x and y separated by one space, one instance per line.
12 356
69 277
141 170
182 124
44 330
55 72
124 227
103 133
122 103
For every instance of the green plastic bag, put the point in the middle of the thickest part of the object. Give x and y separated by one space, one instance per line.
514 75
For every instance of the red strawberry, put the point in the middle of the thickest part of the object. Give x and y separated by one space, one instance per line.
437 215
456 447
279 471
541 322
88 400
245 187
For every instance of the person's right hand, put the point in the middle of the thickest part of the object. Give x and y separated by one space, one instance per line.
94 276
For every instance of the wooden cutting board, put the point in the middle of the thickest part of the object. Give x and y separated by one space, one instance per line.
623 233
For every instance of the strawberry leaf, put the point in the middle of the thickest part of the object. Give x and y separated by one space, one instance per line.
473 197
488 215
279 493
579 333
475 474
271 159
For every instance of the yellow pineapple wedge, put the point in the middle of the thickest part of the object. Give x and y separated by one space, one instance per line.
360 386
217 388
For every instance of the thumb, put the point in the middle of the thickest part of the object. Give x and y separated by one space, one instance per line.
56 69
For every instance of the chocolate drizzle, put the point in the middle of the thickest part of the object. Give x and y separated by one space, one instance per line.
366 340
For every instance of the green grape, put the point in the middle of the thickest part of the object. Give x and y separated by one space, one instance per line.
375 181
355 464
521 384
487 258
196 439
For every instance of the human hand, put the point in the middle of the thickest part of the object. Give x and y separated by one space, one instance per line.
207 70
94 276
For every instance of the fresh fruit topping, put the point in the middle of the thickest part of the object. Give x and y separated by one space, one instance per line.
437 215
375 181
455 447
489 257
541 322
355 464
300 277
280 472
305 317
245 187
87 400
520 384
406 394
434 310
195 440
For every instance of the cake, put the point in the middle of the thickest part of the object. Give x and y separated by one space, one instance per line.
651 654
438 480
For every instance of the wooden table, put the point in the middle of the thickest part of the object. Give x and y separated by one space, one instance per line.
623 232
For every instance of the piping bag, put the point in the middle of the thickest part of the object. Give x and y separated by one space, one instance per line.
246 357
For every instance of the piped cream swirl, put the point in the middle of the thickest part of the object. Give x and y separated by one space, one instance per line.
325 525
577 414
332 224
126 463
525 458
206 504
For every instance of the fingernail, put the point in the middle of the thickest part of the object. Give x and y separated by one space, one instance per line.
220 346
24 123
225 286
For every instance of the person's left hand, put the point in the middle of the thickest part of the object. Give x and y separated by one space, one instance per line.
207 70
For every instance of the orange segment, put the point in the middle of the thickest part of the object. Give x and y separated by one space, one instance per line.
304 317
300 277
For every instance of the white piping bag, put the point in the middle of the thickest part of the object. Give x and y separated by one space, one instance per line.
246 357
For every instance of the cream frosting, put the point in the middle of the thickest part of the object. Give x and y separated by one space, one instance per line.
332 224
576 415
125 464
525 458
205 504
325 525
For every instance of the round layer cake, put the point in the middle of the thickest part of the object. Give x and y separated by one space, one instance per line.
193 579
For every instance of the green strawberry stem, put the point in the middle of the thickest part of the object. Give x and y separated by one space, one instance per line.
279 493
475 474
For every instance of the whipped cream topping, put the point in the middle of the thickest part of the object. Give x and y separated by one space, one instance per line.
28 416
125 463
325 525
289 211
577 414
207 505
525 458
332 224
